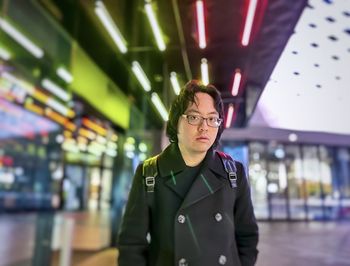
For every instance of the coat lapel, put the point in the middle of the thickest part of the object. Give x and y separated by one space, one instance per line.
171 167
211 178
204 185
173 181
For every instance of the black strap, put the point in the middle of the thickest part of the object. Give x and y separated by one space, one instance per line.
150 171
230 168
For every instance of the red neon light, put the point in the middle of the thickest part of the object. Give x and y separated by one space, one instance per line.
249 20
201 24
236 82
229 116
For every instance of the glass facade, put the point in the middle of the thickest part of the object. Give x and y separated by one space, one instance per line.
28 171
299 182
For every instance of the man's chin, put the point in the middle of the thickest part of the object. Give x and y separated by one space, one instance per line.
202 148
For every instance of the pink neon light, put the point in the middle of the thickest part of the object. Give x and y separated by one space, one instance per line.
236 82
229 116
201 24
249 22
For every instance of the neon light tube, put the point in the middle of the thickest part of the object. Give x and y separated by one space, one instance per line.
249 22
205 72
107 21
236 82
97 128
175 83
55 89
141 76
155 27
201 24
21 39
64 74
229 116
160 107
4 54
87 133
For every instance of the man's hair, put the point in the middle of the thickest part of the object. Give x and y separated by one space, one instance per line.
187 97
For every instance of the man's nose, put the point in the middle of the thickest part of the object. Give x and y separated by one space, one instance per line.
203 125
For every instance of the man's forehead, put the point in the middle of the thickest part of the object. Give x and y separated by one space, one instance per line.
194 109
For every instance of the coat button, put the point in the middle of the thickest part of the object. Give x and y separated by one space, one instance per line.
183 262
218 217
222 260
181 219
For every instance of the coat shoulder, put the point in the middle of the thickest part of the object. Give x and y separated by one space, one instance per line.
224 155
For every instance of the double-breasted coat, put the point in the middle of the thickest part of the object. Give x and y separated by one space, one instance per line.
212 224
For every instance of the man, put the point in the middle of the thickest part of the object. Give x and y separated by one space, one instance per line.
191 215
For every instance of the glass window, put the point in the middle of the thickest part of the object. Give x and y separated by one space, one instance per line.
312 173
106 189
257 177
343 159
296 183
330 192
277 180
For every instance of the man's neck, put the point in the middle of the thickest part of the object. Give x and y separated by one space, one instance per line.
191 158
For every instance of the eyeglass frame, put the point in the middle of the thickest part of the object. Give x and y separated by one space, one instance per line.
220 120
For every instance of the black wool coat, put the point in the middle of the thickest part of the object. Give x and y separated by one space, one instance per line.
213 224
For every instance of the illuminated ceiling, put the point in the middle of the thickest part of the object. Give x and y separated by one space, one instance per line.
309 89
273 23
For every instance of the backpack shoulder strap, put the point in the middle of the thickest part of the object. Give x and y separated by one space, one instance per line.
230 167
149 172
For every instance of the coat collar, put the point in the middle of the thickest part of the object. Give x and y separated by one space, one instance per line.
211 177
171 162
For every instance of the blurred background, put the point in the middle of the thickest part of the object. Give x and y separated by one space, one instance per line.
85 88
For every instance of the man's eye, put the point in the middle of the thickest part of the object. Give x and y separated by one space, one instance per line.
213 119
192 117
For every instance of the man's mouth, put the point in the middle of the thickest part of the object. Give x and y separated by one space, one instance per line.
202 138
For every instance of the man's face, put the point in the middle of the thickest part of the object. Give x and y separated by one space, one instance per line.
198 138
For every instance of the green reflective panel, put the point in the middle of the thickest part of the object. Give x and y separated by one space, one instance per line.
94 86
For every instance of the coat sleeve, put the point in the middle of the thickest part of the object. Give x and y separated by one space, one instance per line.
245 224
132 242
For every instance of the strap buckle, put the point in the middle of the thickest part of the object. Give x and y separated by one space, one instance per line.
232 176
150 182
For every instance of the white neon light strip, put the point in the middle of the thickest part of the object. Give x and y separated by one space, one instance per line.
249 22
141 76
229 116
236 83
201 24
58 106
4 54
160 107
155 27
22 84
30 89
21 39
175 83
204 71
110 26
64 74
55 89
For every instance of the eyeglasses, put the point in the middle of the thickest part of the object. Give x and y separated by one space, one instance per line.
196 120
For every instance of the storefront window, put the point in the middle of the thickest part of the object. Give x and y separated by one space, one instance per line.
312 175
299 182
258 181
329 189
276 181
343 173
296 183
